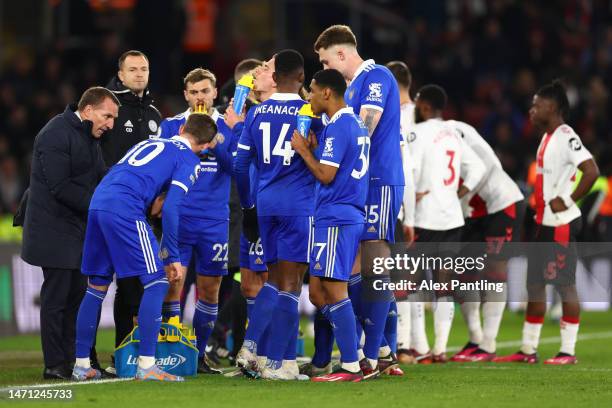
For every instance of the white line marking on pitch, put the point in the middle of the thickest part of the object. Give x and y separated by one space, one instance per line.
65 384
547 340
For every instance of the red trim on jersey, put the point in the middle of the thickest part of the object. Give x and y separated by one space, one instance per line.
562 234
479 207
511 211
571 320
539 184
534 319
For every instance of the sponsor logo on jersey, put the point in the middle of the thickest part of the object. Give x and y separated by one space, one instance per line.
224 266
351 93
372 229
258 261
163 253
153 126
411 137
317 266
329 147
128 123
375 92
220 138
575 144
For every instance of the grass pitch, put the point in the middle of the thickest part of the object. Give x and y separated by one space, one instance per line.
471 385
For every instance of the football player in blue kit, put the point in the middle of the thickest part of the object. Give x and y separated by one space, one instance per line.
342 188
204 219
284 224
119 239
373 94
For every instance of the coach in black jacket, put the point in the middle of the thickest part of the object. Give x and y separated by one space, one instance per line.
138 120
66 167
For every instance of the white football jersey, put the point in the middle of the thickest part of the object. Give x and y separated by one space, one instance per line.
557 160
496 190
439 155
406 215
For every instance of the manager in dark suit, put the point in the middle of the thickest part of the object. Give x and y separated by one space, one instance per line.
66 166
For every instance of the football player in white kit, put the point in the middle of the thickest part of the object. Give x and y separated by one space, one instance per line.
439 157
493 211
558 220
412 342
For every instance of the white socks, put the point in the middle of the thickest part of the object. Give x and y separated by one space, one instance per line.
531 337
418 335
146 362
569 335
444 311
492 314
83 362
352 367
384 351
471 315
403 324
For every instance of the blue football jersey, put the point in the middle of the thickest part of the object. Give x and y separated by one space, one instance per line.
285 186
346 146
374 86
146 171
209 196
170 126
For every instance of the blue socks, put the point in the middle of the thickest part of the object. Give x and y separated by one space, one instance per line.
149 315
391 327
343 321
324 338
87 321
171 309
250 302
375 318
291 350
264 308
281 329
204 319
354 292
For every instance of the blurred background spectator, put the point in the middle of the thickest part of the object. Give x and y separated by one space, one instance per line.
490 56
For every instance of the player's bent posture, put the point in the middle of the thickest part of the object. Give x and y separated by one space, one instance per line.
439 155
285 205
204 220
558 220
119 239
341 171
493 212
372 93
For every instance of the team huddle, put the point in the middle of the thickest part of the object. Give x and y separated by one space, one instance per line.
371 168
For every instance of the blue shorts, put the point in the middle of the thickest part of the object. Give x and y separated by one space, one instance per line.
114 244
208 239
382 208
251 255
285 238
334 250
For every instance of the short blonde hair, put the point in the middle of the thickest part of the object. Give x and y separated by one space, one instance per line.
199 74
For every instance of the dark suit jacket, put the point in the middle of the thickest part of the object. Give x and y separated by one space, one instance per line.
66 167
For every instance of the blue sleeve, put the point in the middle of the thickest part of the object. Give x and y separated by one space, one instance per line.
335 144
242 163
170 224
374 90
164 129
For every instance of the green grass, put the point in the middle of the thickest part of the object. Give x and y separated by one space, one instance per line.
587 384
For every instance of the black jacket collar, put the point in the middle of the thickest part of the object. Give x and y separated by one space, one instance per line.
73 119
127 96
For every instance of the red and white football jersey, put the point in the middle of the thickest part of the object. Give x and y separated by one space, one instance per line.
439 154
496 190
557 160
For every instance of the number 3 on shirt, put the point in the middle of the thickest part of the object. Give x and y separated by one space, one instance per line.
282 148
451 167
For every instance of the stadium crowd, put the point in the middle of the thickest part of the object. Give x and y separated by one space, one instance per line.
489 56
